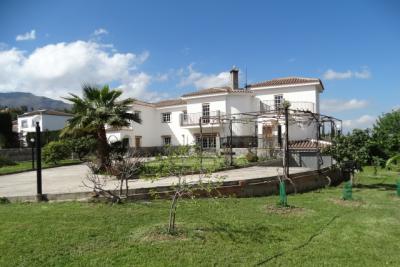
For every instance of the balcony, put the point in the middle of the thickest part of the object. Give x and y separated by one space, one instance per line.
271 105
193 119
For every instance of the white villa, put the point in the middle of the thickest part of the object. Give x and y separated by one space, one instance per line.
49 120
177 121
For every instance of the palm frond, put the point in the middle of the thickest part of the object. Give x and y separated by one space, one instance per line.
395 159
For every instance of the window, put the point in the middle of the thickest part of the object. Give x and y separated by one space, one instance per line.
166 117
138 114
278 101
185 116
138 141
166 140
206 113
24 124
125 142
208 141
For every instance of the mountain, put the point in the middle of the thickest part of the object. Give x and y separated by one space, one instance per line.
17 99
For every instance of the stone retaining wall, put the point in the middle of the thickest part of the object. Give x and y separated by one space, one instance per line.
304 182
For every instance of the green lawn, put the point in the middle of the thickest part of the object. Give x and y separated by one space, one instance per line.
27 166
322 230
191 164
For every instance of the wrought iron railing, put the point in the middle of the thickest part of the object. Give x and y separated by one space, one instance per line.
188 119
271 105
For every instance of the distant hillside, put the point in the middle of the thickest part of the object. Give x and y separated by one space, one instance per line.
17 99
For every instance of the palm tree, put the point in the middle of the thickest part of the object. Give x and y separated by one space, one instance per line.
97 108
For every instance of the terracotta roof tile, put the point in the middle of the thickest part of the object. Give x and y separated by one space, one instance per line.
285 81
46 112
307 144
170 102
209 91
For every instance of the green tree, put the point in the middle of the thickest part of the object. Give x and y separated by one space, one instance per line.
81 146
97 108
55 151
355 146
386 134
6 134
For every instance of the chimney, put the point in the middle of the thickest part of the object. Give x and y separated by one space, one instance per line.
234 78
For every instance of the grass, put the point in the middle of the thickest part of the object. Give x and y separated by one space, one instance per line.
319 229
191 165
27 166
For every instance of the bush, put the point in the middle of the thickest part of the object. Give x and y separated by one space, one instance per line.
6 162
55 151
251 157
81 146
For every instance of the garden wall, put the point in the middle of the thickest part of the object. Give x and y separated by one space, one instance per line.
306 181
17 154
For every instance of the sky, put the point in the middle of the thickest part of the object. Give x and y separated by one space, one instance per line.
154 50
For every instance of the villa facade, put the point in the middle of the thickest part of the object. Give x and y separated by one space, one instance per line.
180 121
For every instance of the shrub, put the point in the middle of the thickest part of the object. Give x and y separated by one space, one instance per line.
6 162
251 157
81 146
55 151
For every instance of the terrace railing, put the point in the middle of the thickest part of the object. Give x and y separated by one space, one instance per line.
271 105
190 119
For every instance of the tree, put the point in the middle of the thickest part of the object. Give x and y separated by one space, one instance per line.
393 163
81 146
191 178
386 134
55 151
6 134
97 108
123 168
355 146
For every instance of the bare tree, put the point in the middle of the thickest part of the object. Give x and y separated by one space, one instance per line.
192 179
123 167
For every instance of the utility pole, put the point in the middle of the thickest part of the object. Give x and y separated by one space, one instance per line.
39 195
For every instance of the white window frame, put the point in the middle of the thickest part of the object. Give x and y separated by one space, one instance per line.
24 124
165 138
205 112
166 117
139 113
209 141
278 101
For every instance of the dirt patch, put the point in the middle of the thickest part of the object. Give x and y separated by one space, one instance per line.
347 203
160 234
287 211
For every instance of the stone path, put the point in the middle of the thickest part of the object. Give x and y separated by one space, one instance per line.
68 179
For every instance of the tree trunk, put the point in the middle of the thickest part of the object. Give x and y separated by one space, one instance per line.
103 149
172 213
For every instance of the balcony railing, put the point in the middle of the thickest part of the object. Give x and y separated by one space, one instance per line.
271 105
190 119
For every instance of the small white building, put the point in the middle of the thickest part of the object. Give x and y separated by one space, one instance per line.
177 121
49 120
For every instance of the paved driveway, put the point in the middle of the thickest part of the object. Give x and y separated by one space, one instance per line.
68 179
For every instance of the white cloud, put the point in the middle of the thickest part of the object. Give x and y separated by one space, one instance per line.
54 70
336 75
363 122
161 77
100 31
202 80
337 105
364 74
26 36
